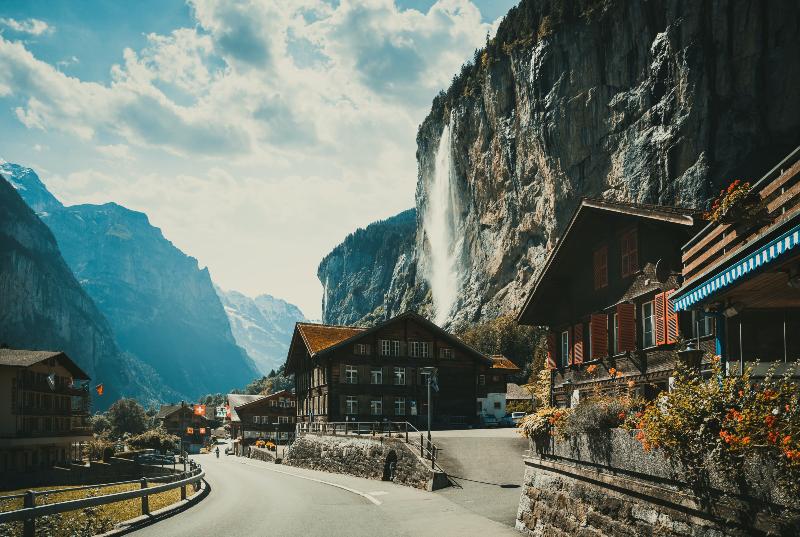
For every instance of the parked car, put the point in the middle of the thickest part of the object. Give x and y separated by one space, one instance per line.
228 450
488 420
507 421
517 417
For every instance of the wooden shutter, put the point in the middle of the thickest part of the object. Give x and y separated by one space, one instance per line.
577 345
671 317
598 335
626 327
551 351
659 321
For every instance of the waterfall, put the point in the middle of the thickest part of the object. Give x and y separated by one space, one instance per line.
444 232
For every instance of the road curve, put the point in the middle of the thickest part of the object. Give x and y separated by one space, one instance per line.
253 498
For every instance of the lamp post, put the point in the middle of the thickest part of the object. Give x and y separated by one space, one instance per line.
692 356
429 372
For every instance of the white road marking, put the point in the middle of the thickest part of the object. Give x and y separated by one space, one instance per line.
337 485
377 492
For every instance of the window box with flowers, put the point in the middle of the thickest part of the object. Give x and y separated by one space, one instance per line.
736 204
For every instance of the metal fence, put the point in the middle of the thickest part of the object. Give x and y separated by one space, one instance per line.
388 429
30 512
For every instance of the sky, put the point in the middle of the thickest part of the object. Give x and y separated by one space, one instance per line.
255 134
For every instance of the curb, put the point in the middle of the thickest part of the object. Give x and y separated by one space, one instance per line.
142 521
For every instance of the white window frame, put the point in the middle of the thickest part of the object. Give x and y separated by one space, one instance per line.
283 419
351 405
565 348
648 325
376 407
376 375
361 349
446 353
399 376
703 320
351 374
481 380
615 332
419 349
399 406
390 347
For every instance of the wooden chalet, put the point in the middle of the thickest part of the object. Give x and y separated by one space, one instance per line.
742 274
606 293
270 417
357 374
492 383
181 420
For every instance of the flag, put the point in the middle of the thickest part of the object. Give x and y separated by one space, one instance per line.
227 411
200 410
202 430
99 389
51 380
189 430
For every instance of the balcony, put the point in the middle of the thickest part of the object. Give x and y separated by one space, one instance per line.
72 431
63 389
29 410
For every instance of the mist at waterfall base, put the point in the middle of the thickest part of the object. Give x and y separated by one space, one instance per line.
441 223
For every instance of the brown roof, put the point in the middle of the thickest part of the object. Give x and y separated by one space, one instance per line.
319 337
238 399
167 410
517 392
501 362
25 358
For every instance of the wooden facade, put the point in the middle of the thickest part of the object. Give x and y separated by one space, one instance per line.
356 374
271 417
606 294
744 270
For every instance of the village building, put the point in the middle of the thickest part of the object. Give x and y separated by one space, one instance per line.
181 420
742 274
381 374
44 409
271 417
232 421
519 398
492 382
607 294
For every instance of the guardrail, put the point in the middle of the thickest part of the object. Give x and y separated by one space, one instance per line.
391 429
30 512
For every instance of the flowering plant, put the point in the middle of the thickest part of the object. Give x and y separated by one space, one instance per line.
733 197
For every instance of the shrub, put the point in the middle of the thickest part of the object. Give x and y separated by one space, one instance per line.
95 449
599 414
157 439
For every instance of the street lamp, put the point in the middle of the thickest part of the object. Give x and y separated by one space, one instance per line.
429 372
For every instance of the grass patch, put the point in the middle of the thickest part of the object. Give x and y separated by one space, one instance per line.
89 521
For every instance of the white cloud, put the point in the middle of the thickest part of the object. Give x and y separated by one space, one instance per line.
27 26
283 125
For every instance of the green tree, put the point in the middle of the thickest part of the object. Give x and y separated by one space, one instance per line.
127 416
100 423
504 336
156 438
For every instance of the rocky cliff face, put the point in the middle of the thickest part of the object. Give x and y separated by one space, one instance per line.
42 307
658 102
263 326
367 274
161 306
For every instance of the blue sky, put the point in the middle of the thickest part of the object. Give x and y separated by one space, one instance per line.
255 134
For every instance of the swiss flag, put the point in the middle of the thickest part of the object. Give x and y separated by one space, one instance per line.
200 410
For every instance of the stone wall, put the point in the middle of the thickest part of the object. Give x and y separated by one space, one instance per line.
260 454
96 472
608 486
364 457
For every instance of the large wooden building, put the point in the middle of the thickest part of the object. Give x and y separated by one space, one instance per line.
742 271
357 374
269 417
606 293
44 410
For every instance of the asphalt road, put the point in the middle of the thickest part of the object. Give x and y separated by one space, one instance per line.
253 498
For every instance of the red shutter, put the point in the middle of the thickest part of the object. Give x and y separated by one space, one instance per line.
598 335
659 322
551 351
626 327
671 317
577 352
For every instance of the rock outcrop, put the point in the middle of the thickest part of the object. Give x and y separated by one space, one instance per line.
657 102
161 306
263 326
43 307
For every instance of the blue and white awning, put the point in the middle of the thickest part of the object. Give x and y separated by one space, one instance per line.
723 278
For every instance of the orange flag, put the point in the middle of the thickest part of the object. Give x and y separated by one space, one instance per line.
99 389
200 410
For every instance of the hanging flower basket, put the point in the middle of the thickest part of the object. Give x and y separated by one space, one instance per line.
737 204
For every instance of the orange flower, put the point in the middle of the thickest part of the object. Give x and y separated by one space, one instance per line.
631 383
612 372
592 368
786 440
734 414
621 415
770 420
770 394
772 436
746 440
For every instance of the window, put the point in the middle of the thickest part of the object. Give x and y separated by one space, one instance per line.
420 349
352 405
273 403
390 347
648 334
351 374
601 267
616 334
565 348
283 419
629 253
361 349
376 407
400 376
399 406
702 324
446 353
376 376
481 380
497 405
495 378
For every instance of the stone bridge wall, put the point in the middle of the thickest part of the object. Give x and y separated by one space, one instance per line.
609 486
364 457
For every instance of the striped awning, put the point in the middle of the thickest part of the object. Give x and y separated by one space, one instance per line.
725 277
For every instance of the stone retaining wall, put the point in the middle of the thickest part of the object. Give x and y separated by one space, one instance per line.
260 454
609 486
364 457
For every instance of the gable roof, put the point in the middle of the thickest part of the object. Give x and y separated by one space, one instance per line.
517 392
261 399
501 362
239 399
320 337
167 410
25 358
668 215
